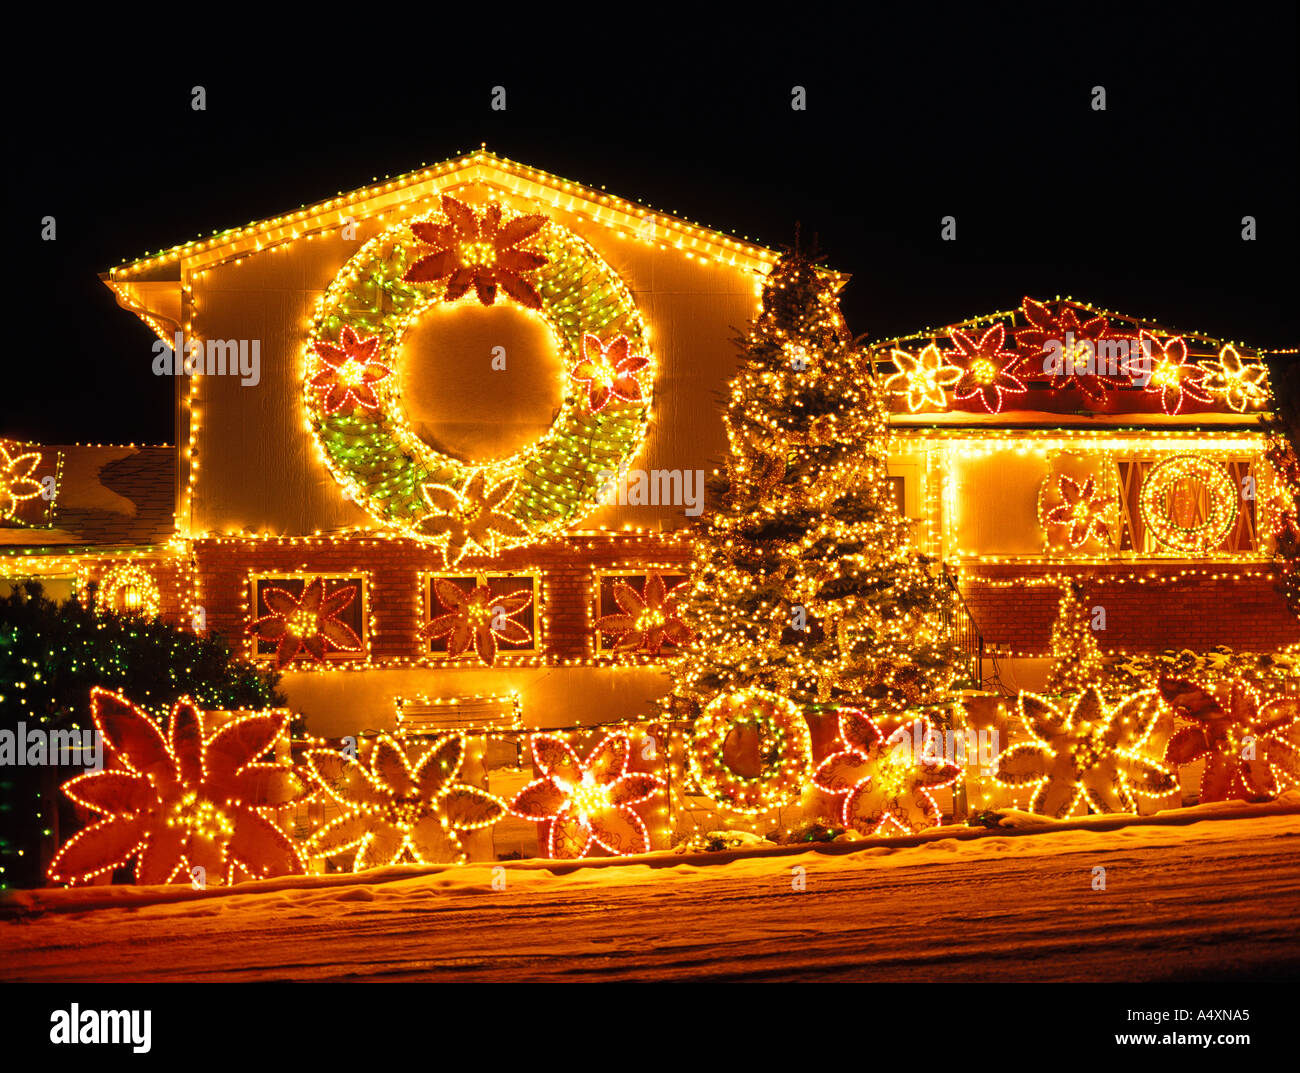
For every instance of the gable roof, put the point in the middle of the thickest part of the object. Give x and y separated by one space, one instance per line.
639 221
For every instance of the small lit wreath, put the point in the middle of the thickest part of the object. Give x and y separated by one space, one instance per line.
461 255
1153 501
751 751
129 587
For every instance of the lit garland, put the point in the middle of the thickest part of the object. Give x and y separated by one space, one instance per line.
553 482
1171 477
886 772
587 801
1091 755
751 751
182 801
1245 737
394 807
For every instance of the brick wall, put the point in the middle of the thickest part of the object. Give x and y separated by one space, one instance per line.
1244 612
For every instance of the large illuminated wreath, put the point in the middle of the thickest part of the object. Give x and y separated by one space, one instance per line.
462 255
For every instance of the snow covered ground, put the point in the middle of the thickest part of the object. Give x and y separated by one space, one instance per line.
1208 893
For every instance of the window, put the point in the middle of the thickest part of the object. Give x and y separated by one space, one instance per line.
336 625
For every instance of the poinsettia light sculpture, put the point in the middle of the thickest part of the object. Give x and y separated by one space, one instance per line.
886 773
1247 738
1089 754
309 622
181 801
586 802
393 807
649 618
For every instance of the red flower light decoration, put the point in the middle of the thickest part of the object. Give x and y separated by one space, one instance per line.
479 252
587 801
307 622
1240 733
350 373
649 618
182 801
1083 509
1079 349
1171 377
988 370
609 371
885 774
477 618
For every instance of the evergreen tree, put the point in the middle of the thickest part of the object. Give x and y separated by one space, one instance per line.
804 579
1077 662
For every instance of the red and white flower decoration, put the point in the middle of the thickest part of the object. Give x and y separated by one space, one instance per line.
885 773
1083 510
649 620
1171 376
608 369
350 374
477 618
306 623
479 251
1245 737
181 801
988 371
1079 342
587 801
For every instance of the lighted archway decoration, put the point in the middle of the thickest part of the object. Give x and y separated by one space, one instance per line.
751 751
129 587
458 254
1153 501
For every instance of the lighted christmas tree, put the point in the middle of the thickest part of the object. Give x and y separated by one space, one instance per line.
805 582
1077 663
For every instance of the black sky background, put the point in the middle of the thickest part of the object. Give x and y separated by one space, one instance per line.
912 115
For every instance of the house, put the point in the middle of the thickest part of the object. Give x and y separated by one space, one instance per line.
419 500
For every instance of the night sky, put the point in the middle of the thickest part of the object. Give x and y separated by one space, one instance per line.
911 116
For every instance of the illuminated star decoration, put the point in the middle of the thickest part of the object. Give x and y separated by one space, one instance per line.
650 618
884 776
309 622
350 372
1090 756
181 802
988 370
1078 342
394 807
587 801
16 481
477 618
922 378
1172 378
1239 384
609 371
1083 509
480 252
470 518
1242 735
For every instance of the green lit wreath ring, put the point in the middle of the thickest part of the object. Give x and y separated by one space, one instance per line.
785 751
1210 533
352 392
